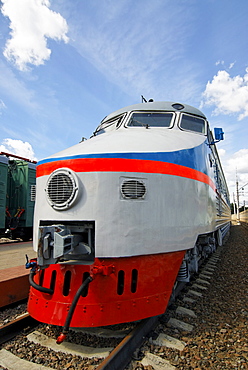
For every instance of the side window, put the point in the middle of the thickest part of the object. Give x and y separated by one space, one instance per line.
111 124
192 123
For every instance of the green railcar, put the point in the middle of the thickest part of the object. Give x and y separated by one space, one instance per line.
3 189
17 197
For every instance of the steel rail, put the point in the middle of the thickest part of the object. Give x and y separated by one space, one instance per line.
121 355
13 328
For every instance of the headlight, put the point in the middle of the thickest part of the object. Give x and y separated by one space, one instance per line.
62 188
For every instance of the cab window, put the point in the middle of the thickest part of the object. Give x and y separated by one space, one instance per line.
111 124
192 123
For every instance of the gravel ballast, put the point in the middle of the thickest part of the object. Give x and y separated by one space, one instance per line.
219 339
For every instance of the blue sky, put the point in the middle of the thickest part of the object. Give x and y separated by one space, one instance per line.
64 65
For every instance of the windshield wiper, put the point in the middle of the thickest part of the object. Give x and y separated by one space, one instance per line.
140 123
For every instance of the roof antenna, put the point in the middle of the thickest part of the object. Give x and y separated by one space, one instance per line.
143 99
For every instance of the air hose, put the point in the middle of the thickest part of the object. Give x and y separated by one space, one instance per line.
66 326
36 286
33 265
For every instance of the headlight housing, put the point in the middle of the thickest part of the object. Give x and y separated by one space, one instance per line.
62 188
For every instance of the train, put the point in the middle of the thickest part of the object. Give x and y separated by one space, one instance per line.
124 217
17 196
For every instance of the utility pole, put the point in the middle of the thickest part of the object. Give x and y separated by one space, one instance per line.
237 191
237 188
234 205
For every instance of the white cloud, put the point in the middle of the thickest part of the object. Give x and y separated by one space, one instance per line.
2 106
18 147
239 161
231 65
219 62
31 24
221 152
228 94
236 167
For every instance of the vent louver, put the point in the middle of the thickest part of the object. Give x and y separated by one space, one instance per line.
133 189
32 193
62 189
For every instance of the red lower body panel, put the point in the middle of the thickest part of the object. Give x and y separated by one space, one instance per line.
123 290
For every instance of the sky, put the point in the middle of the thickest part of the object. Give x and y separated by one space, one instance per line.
65 65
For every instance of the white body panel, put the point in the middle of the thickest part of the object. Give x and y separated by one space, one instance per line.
137 227
137 140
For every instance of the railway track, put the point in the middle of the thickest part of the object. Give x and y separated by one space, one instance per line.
109 357
197 322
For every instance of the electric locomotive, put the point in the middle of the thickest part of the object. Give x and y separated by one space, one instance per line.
121 217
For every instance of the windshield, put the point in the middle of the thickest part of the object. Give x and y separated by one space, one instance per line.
151 119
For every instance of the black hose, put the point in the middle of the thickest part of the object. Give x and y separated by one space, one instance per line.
72 309
36 286
74 303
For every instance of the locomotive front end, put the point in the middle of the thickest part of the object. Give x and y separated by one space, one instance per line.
115 215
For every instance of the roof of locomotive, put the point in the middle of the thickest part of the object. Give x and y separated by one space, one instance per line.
157 106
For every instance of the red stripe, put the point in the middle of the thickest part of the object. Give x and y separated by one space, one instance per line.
124 165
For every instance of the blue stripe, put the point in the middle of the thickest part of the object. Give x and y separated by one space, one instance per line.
193 158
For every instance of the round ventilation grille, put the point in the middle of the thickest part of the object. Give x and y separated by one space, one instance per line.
133 189
62 189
